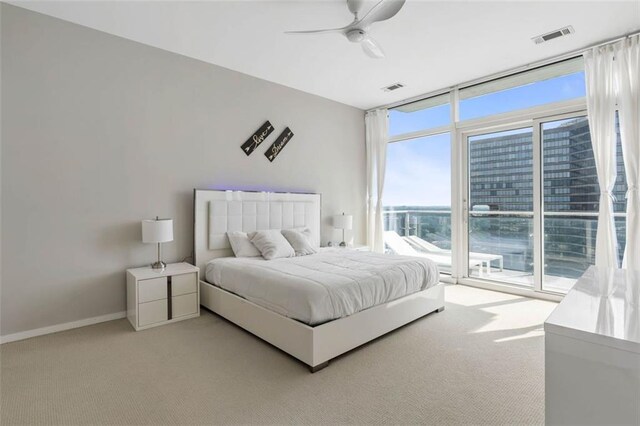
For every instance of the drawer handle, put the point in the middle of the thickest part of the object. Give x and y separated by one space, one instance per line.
169 313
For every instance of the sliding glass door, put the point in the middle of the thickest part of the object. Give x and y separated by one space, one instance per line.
532 200
500 206
571 201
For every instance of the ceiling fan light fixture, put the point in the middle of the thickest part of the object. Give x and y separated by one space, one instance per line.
356 36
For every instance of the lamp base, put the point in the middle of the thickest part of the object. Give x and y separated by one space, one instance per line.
343 244
159 265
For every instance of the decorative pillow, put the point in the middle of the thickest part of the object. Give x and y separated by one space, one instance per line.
241 245
299 240
271 244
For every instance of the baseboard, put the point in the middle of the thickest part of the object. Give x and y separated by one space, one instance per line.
61 327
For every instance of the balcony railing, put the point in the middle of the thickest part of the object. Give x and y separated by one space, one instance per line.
569 239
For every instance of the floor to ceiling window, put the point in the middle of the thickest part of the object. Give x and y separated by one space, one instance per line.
417 197
523 171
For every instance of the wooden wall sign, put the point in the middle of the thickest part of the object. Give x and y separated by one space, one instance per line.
280 143
257 138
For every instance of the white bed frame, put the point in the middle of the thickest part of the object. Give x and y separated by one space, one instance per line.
216 212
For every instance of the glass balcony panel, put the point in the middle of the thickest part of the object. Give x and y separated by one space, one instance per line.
570 248
501 247
425 230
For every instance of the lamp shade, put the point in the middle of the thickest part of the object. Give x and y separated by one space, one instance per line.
157 230
343 221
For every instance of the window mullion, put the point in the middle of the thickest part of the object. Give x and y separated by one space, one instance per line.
538 214
457 191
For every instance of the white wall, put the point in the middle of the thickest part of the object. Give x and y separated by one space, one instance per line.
100 132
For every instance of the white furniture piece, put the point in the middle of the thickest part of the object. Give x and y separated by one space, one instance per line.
217 212
399 245
592 351
485 258
157 297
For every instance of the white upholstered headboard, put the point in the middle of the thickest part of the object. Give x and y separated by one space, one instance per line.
216 212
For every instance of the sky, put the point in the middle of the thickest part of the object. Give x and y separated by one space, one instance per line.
419 170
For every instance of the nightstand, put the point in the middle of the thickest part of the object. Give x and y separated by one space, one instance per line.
161 297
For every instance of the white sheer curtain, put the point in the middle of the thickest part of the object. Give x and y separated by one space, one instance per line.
376 146
627 65
601 106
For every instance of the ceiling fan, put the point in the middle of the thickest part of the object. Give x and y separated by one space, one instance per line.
358 30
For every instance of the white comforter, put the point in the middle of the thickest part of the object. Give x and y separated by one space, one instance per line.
325 286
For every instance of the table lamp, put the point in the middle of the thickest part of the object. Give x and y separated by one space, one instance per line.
343 222
157 231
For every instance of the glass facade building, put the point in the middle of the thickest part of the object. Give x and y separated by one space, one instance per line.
501 170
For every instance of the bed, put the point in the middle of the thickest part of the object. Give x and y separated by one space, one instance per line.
313 307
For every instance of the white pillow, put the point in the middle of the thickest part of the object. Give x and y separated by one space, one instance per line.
305 230
299 240
271 244
241 245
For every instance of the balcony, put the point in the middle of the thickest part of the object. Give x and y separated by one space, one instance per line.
501 243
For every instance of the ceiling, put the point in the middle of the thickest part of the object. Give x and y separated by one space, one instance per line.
430 45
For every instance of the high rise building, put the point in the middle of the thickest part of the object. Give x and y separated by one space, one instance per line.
501 181
501 171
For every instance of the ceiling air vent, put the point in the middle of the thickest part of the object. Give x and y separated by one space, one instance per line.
394 86
553 34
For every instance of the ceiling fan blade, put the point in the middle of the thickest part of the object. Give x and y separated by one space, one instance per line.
372 48
383 10
331 30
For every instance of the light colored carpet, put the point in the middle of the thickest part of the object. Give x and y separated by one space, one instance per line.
478 362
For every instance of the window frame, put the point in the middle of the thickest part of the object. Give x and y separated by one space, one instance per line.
458 130
504 83
426 131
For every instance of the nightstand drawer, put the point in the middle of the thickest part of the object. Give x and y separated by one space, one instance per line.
152 312
152 289
183 284
184 305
